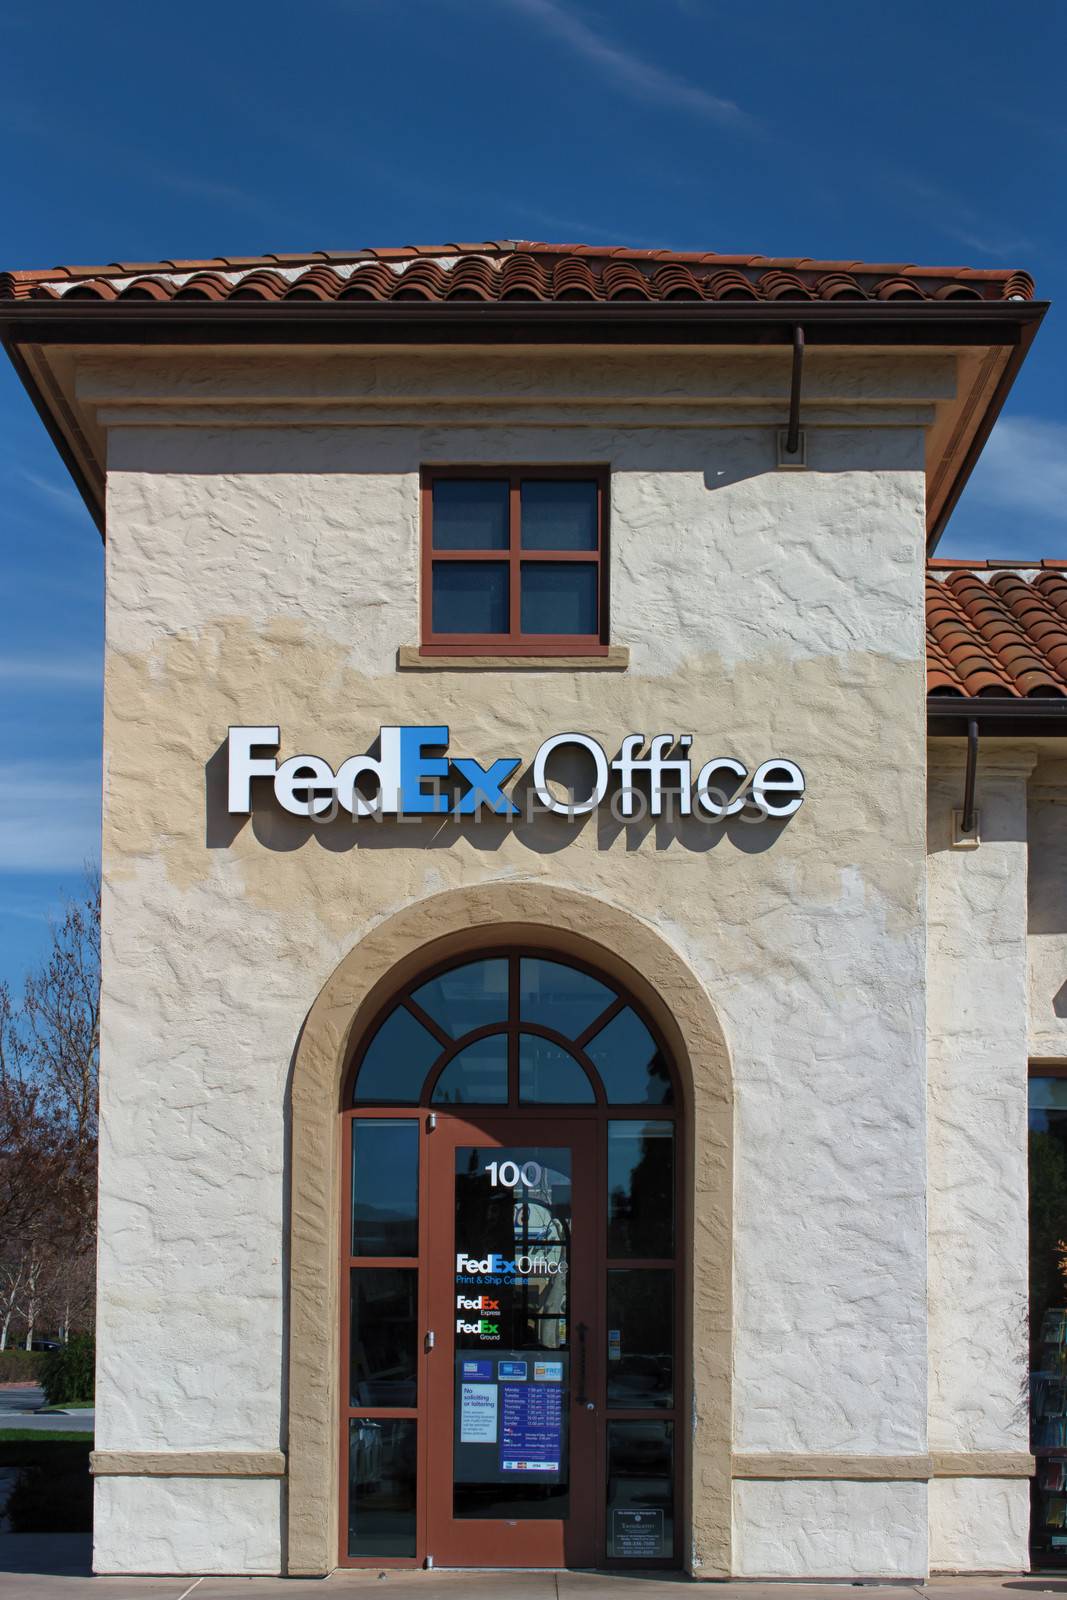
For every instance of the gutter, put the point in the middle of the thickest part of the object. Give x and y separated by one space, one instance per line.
959 322
995 716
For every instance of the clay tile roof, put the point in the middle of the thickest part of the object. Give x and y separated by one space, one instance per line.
997 628
203 286
499 269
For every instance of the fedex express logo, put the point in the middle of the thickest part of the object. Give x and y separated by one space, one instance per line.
413 775
482 1302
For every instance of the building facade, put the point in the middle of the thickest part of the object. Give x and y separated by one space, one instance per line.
565 1037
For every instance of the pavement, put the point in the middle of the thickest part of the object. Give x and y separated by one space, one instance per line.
19 1409
56 1567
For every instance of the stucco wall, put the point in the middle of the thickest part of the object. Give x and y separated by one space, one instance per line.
820 1528
978 1181
1047 926
269 574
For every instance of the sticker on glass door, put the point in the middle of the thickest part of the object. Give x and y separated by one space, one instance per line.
512 1256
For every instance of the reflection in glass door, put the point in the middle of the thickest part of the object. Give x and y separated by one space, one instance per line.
510 1447
512 1290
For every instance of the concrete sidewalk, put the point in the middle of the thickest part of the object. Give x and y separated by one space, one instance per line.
55 1567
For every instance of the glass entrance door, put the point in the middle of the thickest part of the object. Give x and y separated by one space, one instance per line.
514 1367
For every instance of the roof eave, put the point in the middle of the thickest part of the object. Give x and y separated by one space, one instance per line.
1008 324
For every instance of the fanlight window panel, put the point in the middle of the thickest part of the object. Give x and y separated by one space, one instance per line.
520 1029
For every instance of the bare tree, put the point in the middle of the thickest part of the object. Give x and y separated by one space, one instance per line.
62 1011
49 1087
11 1271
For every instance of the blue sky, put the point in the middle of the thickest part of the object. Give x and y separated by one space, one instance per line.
917 132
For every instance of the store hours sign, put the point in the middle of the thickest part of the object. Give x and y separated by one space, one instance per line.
414 774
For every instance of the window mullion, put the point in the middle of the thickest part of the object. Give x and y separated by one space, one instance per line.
515 573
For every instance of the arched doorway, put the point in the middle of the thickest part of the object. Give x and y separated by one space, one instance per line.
513 1272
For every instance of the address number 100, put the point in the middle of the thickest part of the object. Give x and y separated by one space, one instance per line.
509 1175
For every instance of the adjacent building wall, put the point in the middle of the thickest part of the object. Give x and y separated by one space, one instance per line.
978 1181
269 574
1047 926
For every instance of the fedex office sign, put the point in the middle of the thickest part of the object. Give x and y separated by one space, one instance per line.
414 775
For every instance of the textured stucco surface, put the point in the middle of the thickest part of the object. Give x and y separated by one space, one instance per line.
988 1515
830 1530
260 574
977 1009
189 1525
1047 926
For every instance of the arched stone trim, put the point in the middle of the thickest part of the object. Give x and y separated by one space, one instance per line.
392 953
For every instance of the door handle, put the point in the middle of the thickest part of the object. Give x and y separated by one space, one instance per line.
582 1398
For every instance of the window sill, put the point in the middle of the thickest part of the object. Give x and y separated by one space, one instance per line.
410 658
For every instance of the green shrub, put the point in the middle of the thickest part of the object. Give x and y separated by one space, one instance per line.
20 1366
69 1373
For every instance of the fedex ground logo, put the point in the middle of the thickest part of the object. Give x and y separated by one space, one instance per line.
483 1326
413 774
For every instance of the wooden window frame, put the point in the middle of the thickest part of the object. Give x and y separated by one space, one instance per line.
515 642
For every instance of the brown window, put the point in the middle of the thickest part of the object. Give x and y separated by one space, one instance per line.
514 561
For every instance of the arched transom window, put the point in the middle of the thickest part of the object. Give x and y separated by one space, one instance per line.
520 1029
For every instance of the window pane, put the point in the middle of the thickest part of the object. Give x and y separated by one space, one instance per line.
470 597
477 1076
383 1336
558 515
641 1337
1048 1317
470 514
467 997
512 1356
513 1202
641 1490
1048 1094
550 1075
559 596
385 1187
640 1189
628 1060
382 1472
400 1055
560 997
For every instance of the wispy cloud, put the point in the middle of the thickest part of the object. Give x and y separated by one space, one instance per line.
49 819
957 220
229 195
1001 246
59 494
1024 468
34 672
628 71
578 230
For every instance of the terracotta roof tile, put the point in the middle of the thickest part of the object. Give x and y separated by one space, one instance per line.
996 629
523 268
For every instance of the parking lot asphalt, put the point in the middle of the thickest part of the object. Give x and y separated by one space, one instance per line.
19 1409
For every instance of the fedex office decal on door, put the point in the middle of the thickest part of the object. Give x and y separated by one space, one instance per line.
414 776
